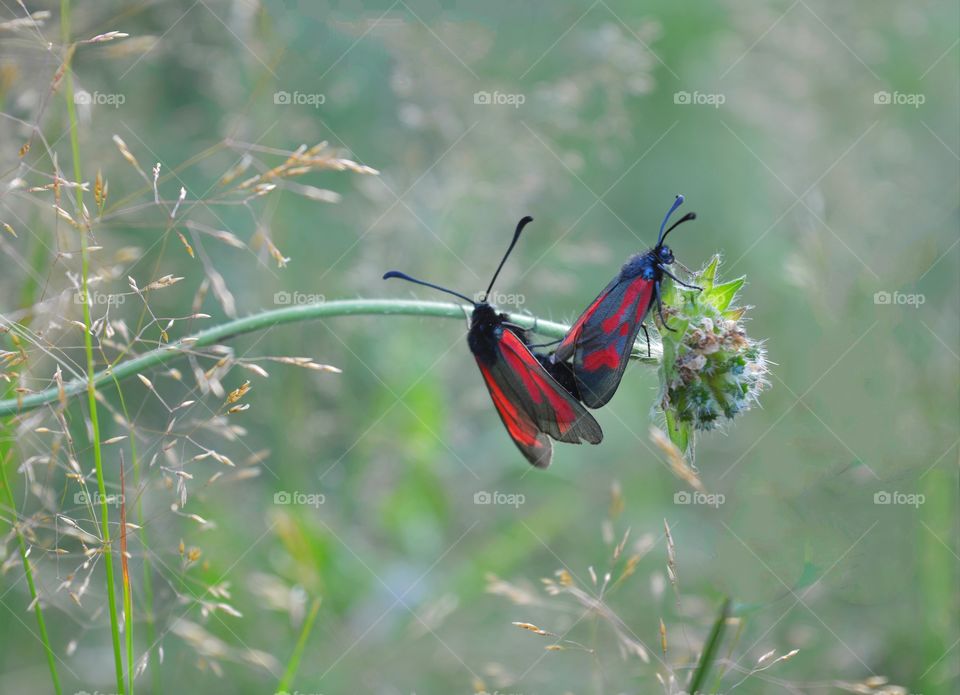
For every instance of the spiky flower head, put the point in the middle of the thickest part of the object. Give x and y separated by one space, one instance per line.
711 370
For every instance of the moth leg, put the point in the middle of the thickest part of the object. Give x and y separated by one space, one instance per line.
533 329
663 321
647 335
552 342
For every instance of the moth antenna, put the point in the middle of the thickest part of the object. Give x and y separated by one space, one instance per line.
403 276
686 218
516 235
678 201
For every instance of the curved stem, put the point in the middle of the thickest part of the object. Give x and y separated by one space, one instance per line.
276 317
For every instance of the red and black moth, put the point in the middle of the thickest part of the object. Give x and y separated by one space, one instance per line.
600 341
529 391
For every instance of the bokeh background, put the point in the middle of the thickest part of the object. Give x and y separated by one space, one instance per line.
818 143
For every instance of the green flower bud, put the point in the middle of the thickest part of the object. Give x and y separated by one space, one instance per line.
711 369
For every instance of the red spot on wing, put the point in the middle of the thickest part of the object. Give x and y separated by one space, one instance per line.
574 333
518 425
517 364
536 381
636 290
608 357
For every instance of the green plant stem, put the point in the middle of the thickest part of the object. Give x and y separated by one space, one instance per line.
294 663
147 579
27 299
937 573
276 317
28 571
88 349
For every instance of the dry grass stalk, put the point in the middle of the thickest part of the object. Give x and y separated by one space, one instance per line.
676 459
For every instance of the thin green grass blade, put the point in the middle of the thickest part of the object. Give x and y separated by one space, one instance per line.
710 649
294 664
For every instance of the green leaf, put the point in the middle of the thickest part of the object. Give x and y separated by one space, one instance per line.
708 276
680 433
721 296
735 314
710 649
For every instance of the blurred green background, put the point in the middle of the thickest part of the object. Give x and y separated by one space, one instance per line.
771 119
